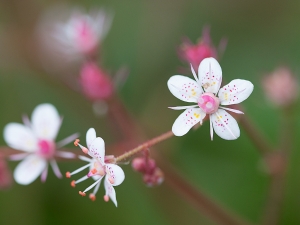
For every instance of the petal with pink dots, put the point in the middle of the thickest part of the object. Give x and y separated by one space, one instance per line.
210 75
97 149
90 136
184 88
235 92
116 173
187 120
225 125
110 191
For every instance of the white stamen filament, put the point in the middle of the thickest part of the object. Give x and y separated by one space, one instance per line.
81 179
83 158
79 169
93 185
96 189
232 110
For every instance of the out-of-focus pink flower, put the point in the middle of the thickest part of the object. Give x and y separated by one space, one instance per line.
66 34
82 33
281 87
5 175
195 53
96 85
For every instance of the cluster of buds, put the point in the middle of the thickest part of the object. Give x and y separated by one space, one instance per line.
152 175
281 87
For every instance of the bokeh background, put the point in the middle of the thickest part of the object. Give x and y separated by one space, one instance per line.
144 37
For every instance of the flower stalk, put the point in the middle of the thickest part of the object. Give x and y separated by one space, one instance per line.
144 146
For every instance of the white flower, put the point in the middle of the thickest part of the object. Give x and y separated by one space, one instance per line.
114 175
206 92
36 139
82 33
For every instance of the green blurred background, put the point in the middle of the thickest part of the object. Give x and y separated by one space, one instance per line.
144 36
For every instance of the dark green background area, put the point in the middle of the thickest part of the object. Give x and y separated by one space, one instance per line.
145 35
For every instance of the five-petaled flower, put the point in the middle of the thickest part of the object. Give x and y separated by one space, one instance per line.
36 139
114 175
206 92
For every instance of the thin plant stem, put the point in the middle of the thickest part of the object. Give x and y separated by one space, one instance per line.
144 146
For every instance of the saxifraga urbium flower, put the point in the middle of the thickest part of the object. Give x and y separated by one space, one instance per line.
36 140
98 168
205 91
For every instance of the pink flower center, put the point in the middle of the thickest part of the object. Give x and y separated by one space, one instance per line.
85 37
209 103
46 148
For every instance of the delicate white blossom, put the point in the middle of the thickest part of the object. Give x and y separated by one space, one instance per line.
36 140
82 33
205 91
99 168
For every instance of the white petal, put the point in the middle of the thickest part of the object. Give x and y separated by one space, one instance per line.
90 136
97 149
29 169
20 137
225 125
110 191
184 88
187 120
210 75
116 173
235 92
45 121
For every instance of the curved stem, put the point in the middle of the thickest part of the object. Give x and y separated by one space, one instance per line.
144 146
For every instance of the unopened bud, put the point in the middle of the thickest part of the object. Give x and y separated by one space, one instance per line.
95 83
194 54
154 179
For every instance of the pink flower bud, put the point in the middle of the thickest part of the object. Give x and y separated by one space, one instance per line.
156 178
5 175
138 164
194 54
144 165
281 87
96 85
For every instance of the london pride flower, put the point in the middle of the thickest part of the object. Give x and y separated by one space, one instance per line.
99 168
205 91
36 140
